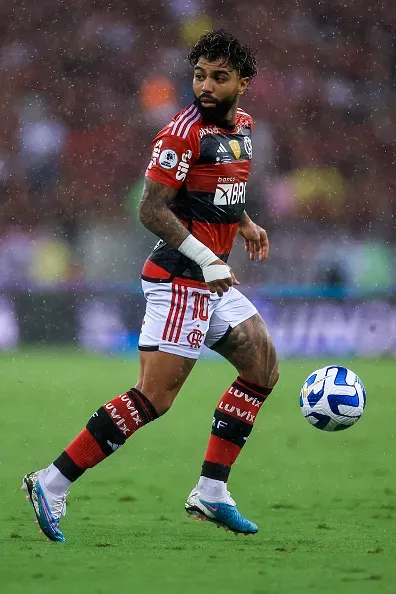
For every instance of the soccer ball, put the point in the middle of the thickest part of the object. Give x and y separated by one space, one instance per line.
332 398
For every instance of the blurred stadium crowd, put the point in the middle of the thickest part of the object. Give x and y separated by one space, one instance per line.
86 84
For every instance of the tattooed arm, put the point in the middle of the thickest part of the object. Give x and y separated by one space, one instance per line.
156 215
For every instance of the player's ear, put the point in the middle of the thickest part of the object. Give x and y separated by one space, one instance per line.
243 85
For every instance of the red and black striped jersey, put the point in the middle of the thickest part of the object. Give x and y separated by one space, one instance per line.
209 166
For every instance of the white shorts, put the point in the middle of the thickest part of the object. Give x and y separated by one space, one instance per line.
181 319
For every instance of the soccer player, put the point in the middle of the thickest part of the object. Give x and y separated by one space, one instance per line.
194 201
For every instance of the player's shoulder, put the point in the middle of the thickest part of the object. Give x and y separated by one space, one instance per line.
244 119
184 124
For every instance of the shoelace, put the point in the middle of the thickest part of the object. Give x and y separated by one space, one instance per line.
58 507
231 499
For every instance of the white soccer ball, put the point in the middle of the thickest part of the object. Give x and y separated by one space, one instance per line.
332 398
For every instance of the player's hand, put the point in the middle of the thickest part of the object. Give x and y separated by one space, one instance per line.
256 241
222 285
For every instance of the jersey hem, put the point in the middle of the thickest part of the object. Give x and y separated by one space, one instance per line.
179 280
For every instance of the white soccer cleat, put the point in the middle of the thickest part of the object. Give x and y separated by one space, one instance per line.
49 508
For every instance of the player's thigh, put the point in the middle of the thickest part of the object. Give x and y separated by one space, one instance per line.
240 335
171 339
176 319
228 312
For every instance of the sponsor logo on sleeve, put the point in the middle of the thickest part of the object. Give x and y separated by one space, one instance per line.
184 166
156 154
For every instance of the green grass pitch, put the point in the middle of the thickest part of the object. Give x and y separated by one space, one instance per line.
325 503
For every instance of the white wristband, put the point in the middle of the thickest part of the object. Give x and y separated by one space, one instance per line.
197 251
216 272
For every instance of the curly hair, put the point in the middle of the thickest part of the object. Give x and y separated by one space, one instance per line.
220 44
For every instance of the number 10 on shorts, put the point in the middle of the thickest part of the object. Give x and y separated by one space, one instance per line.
201 306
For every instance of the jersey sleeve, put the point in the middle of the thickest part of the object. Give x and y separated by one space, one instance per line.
172 157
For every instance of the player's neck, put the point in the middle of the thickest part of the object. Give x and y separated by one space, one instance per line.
226 121
230 118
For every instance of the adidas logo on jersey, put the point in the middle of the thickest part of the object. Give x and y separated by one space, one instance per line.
225 156
229 194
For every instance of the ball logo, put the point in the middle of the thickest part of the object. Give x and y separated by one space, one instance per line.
236 148
168 159
195 339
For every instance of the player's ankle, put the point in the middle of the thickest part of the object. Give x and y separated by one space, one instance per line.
212 490
54 481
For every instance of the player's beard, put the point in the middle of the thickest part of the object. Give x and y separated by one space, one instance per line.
215 114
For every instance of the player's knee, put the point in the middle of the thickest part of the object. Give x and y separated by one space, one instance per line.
161 400
162 405
274 374
272 366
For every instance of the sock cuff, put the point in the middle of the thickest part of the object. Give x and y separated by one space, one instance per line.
258 390
68 467
218 472
145 405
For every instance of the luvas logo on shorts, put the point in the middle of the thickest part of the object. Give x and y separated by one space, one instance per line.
229 194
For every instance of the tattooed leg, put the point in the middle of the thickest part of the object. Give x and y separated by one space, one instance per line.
250 349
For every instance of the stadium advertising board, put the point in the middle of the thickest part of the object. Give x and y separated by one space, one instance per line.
104 322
